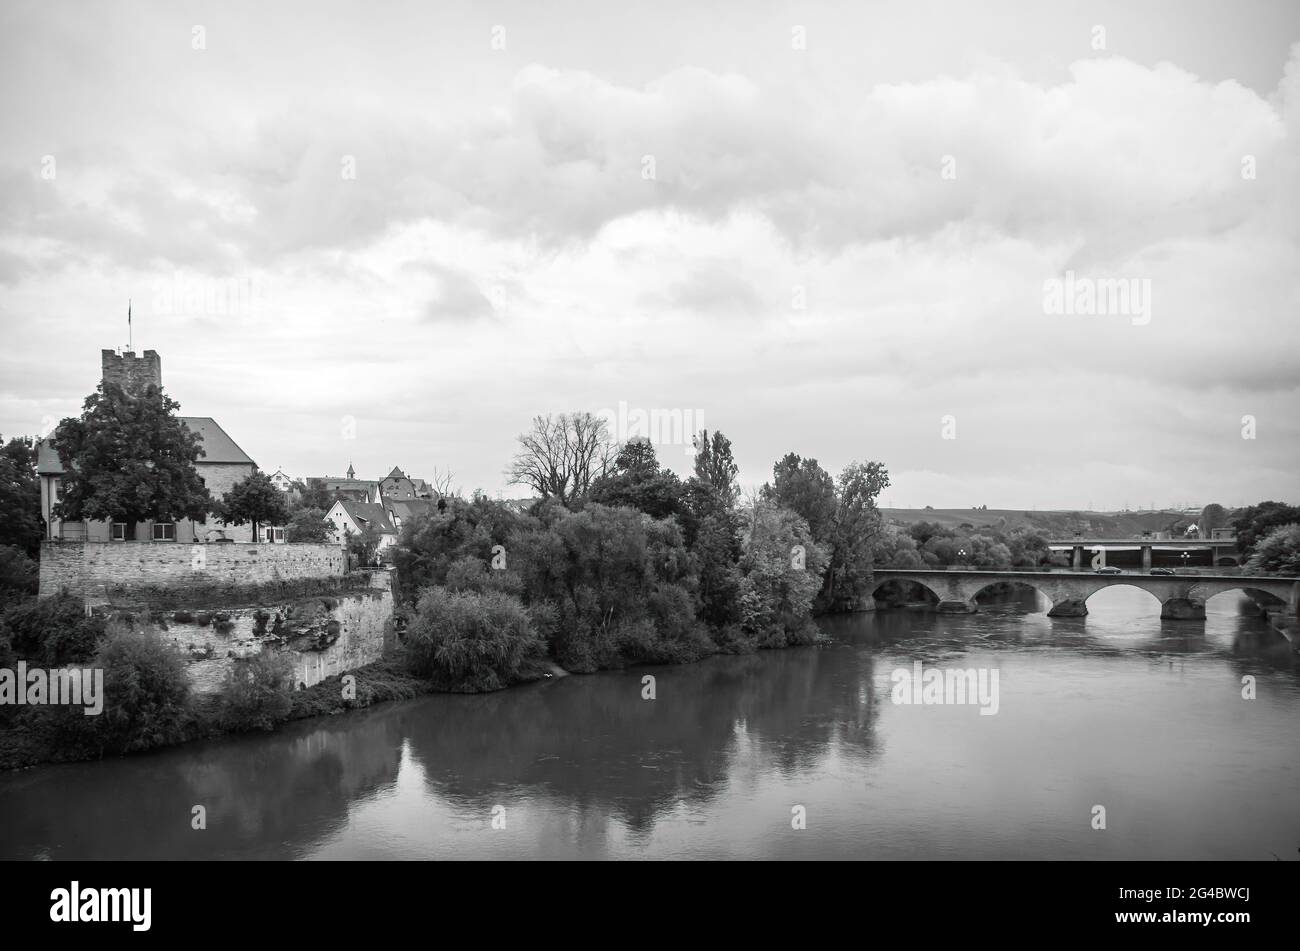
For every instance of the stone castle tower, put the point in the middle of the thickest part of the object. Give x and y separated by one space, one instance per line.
133 374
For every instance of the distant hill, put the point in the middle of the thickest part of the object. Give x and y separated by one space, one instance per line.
1048 523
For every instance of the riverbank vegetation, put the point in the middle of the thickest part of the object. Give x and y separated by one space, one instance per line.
621 561
618 561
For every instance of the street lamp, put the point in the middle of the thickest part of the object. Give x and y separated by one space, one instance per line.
1184 561
961 553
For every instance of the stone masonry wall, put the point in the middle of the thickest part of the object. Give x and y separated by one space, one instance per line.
363 623
87 569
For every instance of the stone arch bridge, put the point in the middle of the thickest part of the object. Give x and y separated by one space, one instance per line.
1181 597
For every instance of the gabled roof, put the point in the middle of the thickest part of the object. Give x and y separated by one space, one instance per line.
368 513
217 447
409 508
396 474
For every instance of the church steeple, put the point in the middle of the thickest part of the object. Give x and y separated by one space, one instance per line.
352 474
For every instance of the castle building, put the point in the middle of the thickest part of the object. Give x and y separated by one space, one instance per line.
221 464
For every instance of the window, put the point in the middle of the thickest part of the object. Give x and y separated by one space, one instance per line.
273 534
119 532
164 532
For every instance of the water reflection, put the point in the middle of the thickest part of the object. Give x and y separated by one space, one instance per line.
1118 704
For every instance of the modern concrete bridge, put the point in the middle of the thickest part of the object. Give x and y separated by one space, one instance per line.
1182 597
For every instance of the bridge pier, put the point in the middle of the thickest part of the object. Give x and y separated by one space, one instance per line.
957 607
1069 607
1182 609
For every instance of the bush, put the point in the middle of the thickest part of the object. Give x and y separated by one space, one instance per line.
52 632
1278 552
257 693
468 642
146 692
19 576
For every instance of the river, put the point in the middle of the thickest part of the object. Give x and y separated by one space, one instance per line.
1143 717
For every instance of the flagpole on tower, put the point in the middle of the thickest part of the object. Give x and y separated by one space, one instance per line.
130 340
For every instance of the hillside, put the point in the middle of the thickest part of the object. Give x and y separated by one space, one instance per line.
1048 523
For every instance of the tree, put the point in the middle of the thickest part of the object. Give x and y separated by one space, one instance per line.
805 488
469 641
257 693
309 525
715 466
314 495
855 525
636 481
1256 521
254 499
561 456
130 459
779 587
20 496
146 692
363 545
19 575
1278 552
1213 516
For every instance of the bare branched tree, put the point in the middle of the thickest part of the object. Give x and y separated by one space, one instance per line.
443 483
561 456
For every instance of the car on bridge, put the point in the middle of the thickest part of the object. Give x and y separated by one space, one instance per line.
1162 571
1109 570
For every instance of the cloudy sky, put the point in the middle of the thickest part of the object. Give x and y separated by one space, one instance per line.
391 233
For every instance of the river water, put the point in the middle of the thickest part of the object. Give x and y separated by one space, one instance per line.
1121 710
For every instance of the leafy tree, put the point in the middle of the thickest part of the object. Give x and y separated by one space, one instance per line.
805 488
619 585
895 549
20 496
257 693
130 459
363 545
854 528
314 495
561 456
1256 521
715 466
430 546
776 595
53 631
309 525
254 499
1278 552
146 692
637 481
19 575
1213 516
469 641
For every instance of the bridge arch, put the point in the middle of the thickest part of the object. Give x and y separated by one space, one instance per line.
994 587
901 590
1263 599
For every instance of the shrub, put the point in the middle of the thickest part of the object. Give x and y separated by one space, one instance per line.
19 575
146 692
53 631
468 642
257 693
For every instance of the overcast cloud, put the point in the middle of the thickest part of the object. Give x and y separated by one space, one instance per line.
799 272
